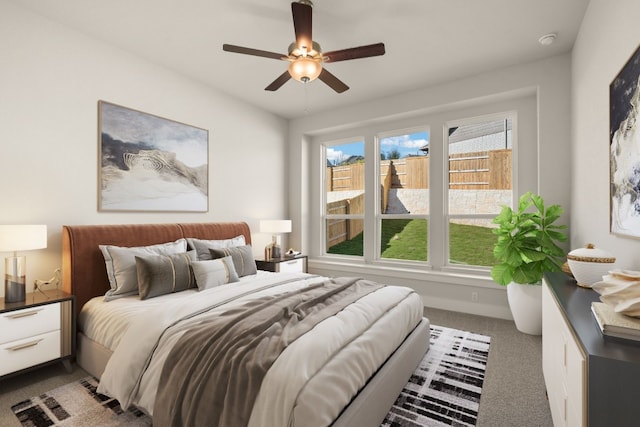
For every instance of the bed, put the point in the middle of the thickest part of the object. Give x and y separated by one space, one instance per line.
355 384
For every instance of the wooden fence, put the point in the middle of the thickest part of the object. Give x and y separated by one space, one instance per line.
487 170
339 230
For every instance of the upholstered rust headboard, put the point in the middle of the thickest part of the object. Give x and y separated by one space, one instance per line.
83 268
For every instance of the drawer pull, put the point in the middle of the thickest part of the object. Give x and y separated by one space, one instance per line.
23 314
25 345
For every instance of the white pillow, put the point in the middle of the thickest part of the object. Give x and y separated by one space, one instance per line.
214 272
242 257
121 265
202 246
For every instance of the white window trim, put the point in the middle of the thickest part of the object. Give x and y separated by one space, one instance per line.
509 114
434 119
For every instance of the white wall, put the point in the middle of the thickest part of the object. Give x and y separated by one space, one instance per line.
608 37
51 79
549 82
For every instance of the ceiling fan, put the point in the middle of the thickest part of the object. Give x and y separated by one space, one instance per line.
305 56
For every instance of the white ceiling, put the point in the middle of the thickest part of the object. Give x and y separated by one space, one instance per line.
427 41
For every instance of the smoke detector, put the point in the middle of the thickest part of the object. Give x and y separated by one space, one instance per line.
547 39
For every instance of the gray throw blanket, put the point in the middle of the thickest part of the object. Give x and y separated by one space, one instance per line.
213 374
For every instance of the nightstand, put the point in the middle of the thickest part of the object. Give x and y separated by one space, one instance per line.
284 265
37 331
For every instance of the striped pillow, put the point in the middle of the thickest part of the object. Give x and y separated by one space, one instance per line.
165 274
215 272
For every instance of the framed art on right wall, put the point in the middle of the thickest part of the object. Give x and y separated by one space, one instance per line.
624 149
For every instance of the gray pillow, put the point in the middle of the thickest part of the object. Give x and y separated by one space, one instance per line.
203 246
242 257
214 272
121 265
165 274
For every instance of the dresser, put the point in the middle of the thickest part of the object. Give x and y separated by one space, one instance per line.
590 380
37 331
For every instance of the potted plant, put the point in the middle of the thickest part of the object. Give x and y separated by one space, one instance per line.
525 249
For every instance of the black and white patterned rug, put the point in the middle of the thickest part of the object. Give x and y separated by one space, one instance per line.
443 391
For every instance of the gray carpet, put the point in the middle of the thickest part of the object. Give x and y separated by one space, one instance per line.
513 393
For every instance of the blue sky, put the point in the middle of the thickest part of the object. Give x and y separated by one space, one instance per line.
407 144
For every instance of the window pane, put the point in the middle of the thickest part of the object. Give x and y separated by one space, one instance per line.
345 236
471 242
480 167
345 179
404 173
404 239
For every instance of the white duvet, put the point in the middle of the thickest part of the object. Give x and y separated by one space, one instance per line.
312 380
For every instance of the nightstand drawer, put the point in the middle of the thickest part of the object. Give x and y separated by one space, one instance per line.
29 321
294 265
29 352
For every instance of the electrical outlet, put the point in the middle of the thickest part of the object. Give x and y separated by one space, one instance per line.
474 297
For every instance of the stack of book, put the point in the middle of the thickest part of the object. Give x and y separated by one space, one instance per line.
614 324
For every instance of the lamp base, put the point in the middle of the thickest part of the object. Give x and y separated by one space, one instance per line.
14 291
271 251
275 251
14 279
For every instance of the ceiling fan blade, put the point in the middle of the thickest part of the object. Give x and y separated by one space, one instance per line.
254 52
302 25
354 53
332 81
277 83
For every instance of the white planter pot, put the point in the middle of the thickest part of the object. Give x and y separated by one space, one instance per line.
525 302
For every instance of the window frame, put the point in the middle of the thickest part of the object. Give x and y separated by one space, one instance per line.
467 121
379 215
525 172
324 216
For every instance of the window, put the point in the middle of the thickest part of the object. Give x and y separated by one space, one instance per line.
344 198
422 196
480 182
404 196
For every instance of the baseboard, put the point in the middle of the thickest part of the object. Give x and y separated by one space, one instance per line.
477 308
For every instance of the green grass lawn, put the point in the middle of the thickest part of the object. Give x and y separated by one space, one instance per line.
406 239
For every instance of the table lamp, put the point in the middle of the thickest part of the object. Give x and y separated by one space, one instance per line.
14 238
275 227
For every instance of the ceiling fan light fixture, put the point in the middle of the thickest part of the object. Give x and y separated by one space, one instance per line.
305 69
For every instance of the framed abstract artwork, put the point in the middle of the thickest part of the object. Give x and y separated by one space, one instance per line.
148 163
624 149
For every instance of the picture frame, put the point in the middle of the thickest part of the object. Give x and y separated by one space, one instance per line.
624 150
150 164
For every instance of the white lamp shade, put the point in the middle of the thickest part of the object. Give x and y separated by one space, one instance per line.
275 226
15 238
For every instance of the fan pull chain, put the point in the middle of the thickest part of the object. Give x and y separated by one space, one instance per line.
306 98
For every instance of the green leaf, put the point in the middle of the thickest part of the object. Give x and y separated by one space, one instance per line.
528 273
554 211
530 256
501 274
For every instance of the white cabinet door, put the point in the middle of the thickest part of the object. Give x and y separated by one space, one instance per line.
563 365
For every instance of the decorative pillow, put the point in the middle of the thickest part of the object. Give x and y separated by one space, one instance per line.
214 272
242 257
164 274
203 246
121 264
